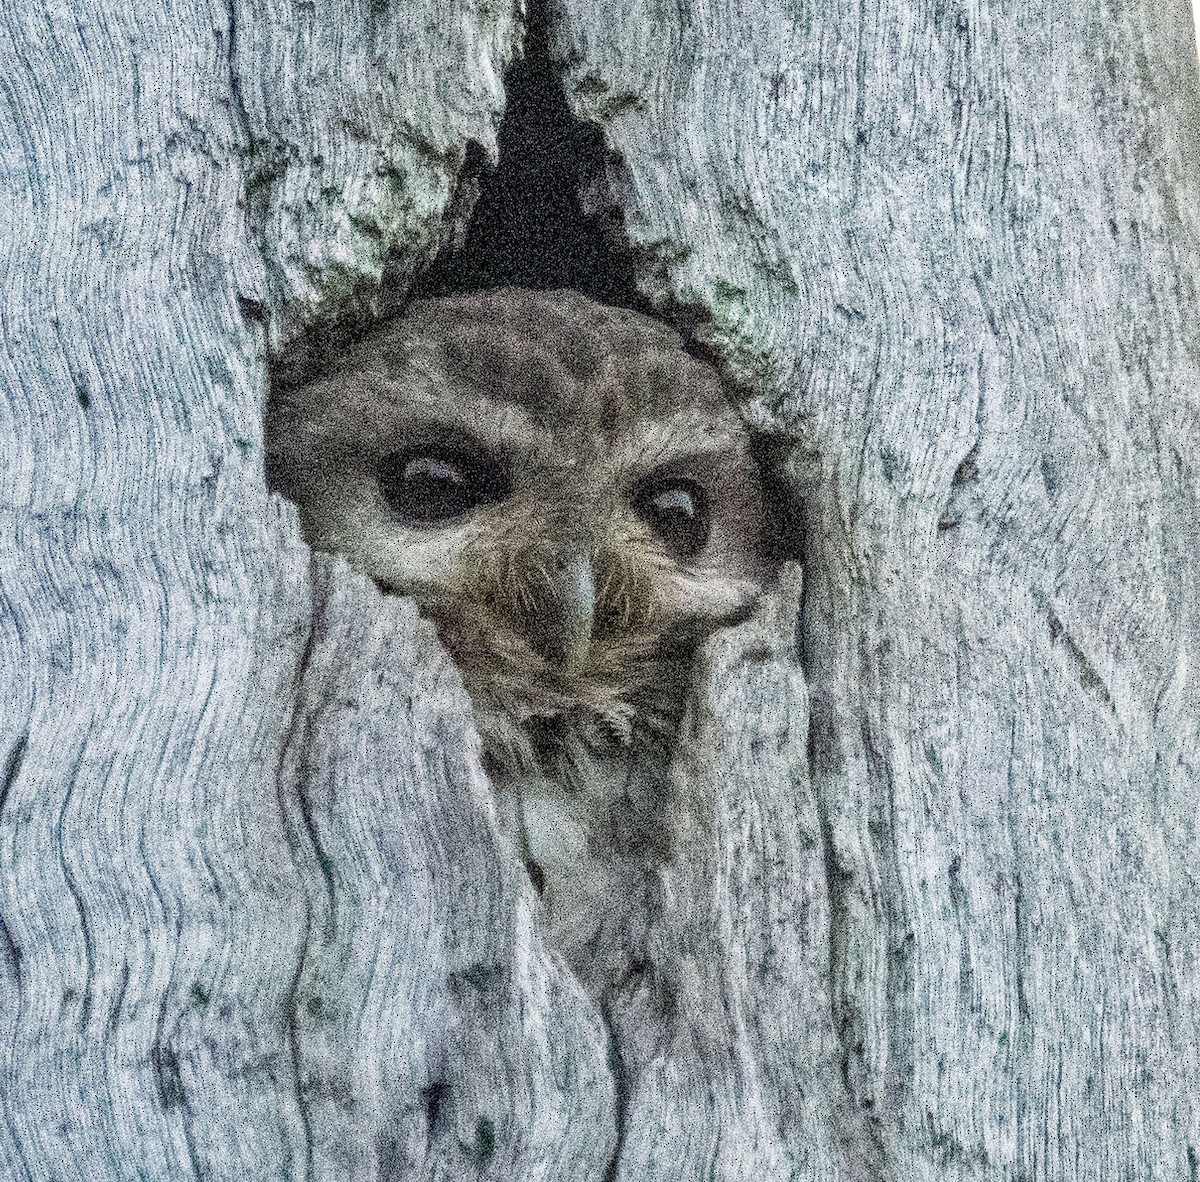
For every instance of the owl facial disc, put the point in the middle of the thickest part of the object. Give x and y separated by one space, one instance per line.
566 491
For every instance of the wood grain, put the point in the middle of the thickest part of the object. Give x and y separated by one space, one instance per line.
952 251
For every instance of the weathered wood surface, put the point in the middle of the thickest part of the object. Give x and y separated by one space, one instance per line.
256 923
963 239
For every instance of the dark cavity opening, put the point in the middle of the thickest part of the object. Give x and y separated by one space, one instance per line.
529 227
784 507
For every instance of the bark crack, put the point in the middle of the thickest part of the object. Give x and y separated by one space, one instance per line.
295 742
235 81
78 899
620 1094
12 767
264 161
858 1126
1084 668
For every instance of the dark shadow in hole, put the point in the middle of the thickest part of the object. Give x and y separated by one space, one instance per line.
782 504
529 228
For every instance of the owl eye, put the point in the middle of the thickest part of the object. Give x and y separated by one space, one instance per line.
677 510
427 487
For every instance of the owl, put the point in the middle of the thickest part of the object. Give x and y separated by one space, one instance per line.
572 499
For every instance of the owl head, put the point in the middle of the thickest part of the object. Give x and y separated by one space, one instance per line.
564 490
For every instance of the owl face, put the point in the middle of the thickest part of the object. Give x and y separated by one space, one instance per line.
565 491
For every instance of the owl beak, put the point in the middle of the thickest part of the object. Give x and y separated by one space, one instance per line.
568 627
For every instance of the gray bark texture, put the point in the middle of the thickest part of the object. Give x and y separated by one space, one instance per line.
937 913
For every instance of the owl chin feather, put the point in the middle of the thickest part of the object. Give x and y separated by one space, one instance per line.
534 715
588 786
583 756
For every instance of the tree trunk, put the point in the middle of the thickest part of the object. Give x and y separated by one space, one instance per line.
255 917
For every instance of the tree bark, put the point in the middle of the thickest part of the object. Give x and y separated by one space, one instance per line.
255 917
954 248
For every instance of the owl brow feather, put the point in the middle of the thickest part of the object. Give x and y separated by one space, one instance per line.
417 414
695 432
537 577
